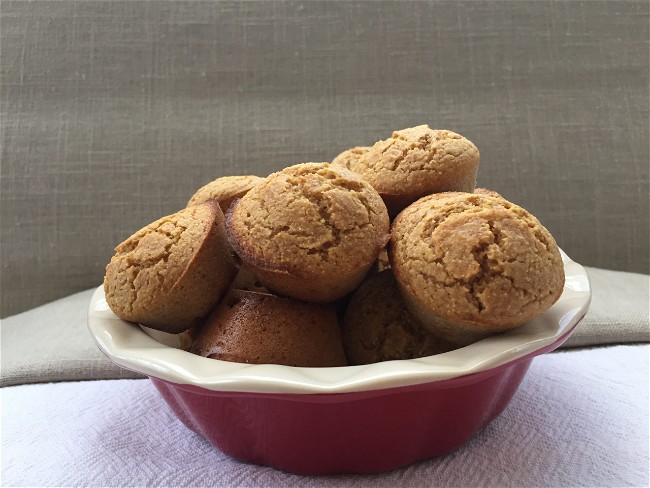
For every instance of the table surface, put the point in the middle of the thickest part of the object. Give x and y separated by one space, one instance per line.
580 418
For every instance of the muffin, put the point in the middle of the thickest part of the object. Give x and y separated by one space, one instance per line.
348 158
471 265
416 162
224 190
310 231
172 272
377 326
258 328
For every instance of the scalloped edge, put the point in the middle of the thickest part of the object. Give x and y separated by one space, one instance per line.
130 347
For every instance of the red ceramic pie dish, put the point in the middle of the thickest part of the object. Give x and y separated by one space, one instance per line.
354 419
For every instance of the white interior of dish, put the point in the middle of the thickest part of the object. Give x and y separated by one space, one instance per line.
156 354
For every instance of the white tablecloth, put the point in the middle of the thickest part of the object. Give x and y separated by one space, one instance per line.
580 418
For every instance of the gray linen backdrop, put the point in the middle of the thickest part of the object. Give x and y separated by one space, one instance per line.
114 113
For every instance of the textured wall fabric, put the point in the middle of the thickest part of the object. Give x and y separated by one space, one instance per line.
114 113
579 419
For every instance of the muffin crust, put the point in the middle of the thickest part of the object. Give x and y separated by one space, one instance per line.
170 273
258 328
349 158
377 327
469 265
310 231
224 190
418 161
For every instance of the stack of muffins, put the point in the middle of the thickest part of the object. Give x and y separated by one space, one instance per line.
307 269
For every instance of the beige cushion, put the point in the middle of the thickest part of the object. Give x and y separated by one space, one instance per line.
52 343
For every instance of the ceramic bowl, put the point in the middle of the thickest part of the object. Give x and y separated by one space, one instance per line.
354 419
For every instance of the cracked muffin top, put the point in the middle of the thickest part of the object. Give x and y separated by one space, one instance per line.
171 272
477 259
160 251
224 190
349 158
309 219
415 162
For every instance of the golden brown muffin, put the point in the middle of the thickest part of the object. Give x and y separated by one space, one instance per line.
172 272
224 190
310 231
470 265
258 328
377 326
348 158
416 162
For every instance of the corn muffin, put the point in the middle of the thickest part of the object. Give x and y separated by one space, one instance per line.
471 265
224 190
416 162
310 231
258 328
348 159
172 272
377 327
